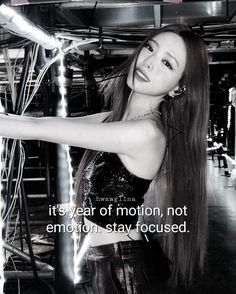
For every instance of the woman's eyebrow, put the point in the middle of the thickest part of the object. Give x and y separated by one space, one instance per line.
168 53
154 41
172 56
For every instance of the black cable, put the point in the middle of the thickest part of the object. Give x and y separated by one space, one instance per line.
45 89
21 225
23 78
28 232
13 42
227 10
26 217
93 11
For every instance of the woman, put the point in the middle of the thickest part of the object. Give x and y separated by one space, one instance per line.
158 122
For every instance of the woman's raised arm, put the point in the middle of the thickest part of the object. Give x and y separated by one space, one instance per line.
124 137
97 117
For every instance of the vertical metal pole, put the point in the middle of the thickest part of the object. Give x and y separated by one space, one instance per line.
2 279
157 16
64 244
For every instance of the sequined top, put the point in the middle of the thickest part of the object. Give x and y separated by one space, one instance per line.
107 182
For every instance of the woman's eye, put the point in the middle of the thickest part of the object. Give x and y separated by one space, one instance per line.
149 47
167 64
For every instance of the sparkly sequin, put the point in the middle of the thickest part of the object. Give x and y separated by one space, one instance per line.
106 181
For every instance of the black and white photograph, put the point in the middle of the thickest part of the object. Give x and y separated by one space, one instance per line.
117 147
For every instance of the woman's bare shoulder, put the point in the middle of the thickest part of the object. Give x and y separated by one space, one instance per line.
153 149
156 131
146 158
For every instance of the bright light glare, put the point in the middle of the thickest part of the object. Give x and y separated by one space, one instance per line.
79 257
16 23
62 111
230 159
229 117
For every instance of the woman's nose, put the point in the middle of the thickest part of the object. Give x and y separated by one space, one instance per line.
148 64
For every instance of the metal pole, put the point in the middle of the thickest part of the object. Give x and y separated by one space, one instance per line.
39 264
20 25
28 275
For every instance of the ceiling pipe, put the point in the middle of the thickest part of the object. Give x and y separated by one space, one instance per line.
19 25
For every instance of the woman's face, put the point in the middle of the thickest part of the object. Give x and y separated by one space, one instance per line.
160 65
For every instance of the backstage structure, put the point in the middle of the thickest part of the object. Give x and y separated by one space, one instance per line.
54 55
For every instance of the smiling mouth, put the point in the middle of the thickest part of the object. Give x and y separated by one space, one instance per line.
141 75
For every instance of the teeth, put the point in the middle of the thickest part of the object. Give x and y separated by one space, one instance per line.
142 75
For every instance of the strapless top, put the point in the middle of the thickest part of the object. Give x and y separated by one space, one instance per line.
108 184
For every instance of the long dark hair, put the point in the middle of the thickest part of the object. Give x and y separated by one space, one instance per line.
185 119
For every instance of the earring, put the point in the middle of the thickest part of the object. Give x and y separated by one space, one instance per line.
179 91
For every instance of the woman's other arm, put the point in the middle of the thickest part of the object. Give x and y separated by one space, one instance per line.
123 137
8 121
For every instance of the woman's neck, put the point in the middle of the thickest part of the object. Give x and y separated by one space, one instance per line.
139 104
